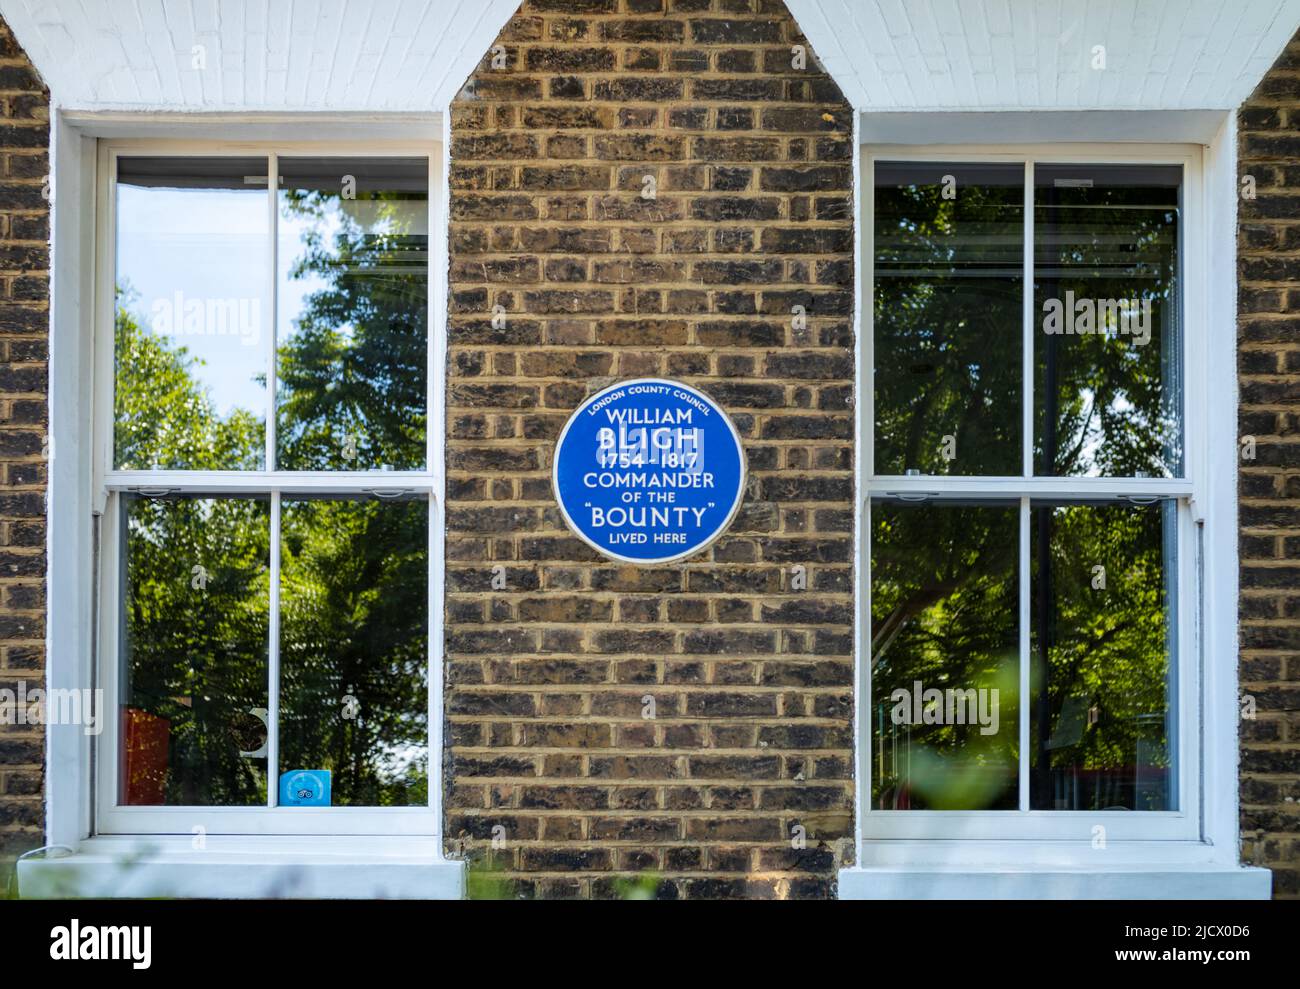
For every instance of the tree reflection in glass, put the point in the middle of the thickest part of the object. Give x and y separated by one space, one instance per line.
948 312
1102 633
944 656
354 571
192 254
353 298
194 650
354 589
1107 334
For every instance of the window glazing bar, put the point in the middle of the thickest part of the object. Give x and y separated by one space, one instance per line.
273 205
1027 355
273 663
1022 707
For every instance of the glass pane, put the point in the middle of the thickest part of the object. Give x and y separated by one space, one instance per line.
944 656
1108 348
353 296
948 305
1103 627
354 603
195 593
193 255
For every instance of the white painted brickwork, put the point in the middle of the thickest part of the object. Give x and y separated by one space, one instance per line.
887 55
902 55
384 55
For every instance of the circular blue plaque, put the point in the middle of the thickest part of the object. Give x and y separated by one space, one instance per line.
649 471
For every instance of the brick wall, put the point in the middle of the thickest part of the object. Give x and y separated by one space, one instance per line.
24 340
1269 369
751 160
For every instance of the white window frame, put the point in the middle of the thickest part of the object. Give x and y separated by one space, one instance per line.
1064 829
112 817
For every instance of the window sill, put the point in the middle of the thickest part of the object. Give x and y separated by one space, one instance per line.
1164 881
246 867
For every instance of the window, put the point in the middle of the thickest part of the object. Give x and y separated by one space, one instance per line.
265 580
1030 654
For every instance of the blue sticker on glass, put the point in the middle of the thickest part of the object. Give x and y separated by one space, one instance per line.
649 471
305 788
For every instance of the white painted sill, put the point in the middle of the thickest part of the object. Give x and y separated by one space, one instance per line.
245 867
1014 870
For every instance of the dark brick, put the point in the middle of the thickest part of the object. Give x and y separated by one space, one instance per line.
548 674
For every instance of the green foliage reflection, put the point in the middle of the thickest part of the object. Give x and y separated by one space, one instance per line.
354 582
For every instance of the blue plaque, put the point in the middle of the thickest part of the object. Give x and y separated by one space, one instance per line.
649 471
305 788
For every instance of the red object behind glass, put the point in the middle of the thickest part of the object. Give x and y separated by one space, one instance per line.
146 739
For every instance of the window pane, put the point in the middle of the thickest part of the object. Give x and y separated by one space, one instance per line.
354 599
194 665
193 255
353 294
1100 716
948 305
1107 350
944 656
